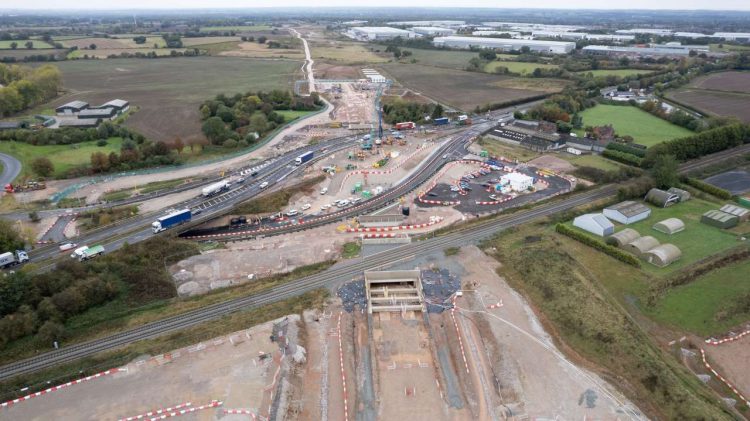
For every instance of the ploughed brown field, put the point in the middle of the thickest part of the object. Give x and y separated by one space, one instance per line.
725 94
168 92
466 90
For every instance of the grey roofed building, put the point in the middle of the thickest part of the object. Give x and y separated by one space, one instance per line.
663 255
661 198
738 211
11 125
108 113
80 123
72 107
627 212
521 133
120 105
641 245
669 226
595 223
684 194
719 219
622 237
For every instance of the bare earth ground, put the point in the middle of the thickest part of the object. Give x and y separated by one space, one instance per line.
535 378
725 81
732 360
724 94
229 369
552 163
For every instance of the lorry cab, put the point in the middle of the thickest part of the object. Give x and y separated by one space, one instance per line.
77 253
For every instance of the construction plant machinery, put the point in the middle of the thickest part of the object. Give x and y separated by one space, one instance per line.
28 186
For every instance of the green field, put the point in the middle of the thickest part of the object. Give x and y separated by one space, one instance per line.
694 306
728 48
238 28
517 66
697 241
64 157
643 127
615 72
38 44
440 58
290 115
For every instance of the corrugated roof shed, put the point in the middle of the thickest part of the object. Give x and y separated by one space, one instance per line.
737 211
641 245
670 226
620 238
719 219
663 255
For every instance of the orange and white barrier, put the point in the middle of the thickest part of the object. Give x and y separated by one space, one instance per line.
343 372
157 412
241 412
433 220
723 380
180 412
61 386
712 341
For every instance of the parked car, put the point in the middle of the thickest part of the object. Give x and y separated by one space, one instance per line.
306 206
324 190
432 194
356 200
493 197
455 188
292 212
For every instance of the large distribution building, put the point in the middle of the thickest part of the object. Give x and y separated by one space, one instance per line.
375 33
433 31
504 44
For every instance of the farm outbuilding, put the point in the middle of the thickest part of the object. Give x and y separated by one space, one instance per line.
669 226
71 108
120 105
620 238
641 245
738 211
663 255
595 223
627 212
684 194
661 198
96 113
719 219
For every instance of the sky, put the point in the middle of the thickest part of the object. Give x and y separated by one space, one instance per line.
206 4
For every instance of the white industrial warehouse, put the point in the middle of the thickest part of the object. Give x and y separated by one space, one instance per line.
503 44
433 31
374 33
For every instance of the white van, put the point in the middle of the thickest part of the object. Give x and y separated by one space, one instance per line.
264 184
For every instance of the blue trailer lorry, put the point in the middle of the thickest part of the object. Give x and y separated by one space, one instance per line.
303 158
441 121
172 219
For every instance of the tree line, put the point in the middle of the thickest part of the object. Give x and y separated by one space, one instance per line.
243 119
24 87
399 110
41 304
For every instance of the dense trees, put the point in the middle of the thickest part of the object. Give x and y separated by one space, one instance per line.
399 110
41 304
24 87
704 143
664 171
246 118
42 166
9 237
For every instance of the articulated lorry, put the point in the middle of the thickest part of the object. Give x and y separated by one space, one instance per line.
11 258
171 219
91 252
304 158
215 188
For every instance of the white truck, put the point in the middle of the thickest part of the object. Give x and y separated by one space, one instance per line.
11 258
77 253
215 188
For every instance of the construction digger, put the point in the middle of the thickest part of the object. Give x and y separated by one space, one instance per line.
28 186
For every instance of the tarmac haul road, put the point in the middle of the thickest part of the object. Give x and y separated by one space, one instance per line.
337 274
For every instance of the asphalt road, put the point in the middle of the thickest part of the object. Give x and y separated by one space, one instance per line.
11 169
337 274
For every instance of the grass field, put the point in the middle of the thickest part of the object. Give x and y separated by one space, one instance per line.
440 58
347 53
169 92
460 89
643 127
38 44
517 66
238 28
190 42
726 48
290 115
615 72
64 157
697 241
252 49
694 306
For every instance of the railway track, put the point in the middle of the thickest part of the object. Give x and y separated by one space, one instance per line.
338 273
